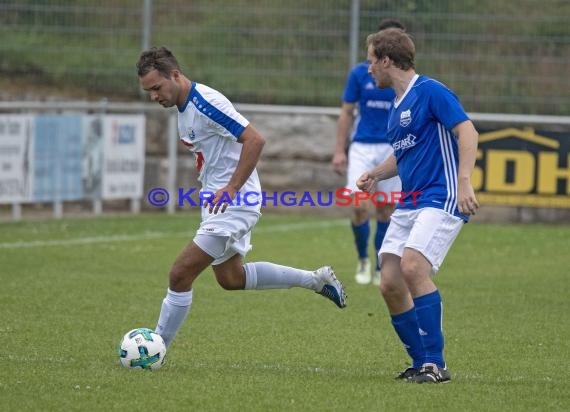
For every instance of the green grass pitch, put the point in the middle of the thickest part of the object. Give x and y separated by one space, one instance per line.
70 289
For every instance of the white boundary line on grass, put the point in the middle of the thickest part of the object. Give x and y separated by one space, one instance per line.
161 235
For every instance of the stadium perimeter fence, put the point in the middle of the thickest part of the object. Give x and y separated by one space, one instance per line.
508 61
523 160
499 56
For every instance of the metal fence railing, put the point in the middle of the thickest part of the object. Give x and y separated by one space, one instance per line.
511 153
500 57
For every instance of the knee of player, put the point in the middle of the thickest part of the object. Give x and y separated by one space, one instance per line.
409 267
388 287
230 281
383 213
179 280
360 213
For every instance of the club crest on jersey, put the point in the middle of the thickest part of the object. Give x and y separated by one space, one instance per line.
191 134
406 118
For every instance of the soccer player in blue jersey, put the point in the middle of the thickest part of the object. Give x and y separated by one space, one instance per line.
435 147
368 145
226 148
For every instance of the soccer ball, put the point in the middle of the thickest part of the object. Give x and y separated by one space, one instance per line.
142 348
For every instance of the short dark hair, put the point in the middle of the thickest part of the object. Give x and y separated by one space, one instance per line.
396 44
391 24
157 58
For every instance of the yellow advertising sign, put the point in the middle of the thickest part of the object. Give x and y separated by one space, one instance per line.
521 167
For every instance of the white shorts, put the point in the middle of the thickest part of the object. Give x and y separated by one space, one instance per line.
363 157
223 235
429 231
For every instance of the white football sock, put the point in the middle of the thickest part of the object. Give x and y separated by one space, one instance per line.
265 275
175 307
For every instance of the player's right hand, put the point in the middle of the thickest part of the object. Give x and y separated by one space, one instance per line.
339 163
365 182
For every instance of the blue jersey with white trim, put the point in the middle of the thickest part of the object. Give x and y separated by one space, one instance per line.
373 105
426 149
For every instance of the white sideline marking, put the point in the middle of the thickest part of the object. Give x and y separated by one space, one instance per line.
160 235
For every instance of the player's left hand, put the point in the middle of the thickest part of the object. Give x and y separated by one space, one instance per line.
466 201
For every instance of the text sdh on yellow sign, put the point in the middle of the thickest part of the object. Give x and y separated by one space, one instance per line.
523 167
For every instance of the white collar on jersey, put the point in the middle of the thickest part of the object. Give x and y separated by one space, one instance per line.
410 85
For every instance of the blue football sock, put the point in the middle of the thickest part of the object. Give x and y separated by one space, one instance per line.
361 235
381 228
429 312
406 326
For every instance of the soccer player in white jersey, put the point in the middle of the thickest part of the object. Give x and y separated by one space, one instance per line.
435 146
227 148
368 146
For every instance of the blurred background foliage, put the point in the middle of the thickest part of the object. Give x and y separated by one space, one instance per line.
510 56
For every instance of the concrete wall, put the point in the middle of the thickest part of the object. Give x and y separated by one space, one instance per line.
297 158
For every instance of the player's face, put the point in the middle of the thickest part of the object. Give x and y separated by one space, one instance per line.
376 69
162 90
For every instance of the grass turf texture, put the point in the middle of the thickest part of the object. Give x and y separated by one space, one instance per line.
71 288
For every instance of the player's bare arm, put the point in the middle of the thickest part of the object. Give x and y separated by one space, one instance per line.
253 143
344 125
384 171
467 138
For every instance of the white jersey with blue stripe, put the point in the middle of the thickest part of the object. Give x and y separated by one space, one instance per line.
209 125
426 149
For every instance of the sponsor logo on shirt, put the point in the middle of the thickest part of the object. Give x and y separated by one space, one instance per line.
405 143
406 118
379 104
